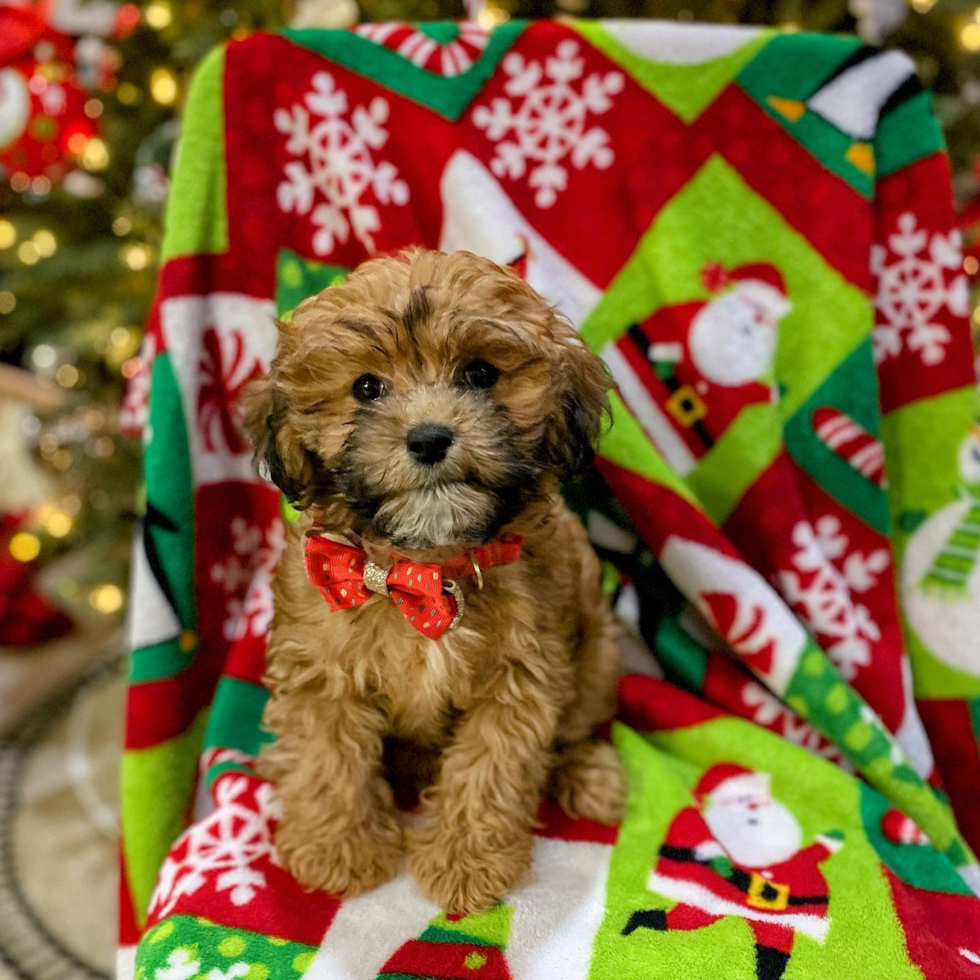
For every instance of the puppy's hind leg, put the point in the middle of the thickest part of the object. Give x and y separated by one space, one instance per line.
588 782
587 779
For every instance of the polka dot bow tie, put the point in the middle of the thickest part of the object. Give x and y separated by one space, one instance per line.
426 594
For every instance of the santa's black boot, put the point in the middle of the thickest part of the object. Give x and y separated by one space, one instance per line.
646 919
770 964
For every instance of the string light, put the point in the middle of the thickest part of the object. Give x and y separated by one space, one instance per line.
40 186
490 15
28 254
93 108
135 257
970 36
67 375
8 233
44 356
19 182
55 520
128 93
45 243
24 546
158 15
122 226
77 143
971 265
922 6
106 599
163 86
95 156
8 301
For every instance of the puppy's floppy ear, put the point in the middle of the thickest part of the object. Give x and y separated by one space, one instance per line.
582 403
278 450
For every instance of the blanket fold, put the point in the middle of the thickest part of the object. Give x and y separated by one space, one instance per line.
755 231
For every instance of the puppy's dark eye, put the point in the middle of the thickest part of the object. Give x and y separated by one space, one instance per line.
480 374
367 388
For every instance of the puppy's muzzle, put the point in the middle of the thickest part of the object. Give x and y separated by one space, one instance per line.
428 443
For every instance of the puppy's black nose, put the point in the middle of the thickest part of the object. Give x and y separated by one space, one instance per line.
429 443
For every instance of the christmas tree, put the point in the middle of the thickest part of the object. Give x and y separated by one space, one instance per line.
90 96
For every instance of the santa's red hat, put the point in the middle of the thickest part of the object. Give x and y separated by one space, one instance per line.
725 772
759 282
717 278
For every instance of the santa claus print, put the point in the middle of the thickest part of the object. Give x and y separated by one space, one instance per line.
700 363
739 852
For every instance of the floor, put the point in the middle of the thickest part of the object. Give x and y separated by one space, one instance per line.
61 761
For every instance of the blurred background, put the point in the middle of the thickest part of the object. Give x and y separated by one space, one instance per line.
90 97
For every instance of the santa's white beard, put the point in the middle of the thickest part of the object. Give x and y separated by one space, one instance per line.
754 838
733 340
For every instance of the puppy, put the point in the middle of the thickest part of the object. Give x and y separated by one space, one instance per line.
437 605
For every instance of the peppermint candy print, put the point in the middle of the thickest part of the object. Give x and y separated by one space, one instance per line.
446 59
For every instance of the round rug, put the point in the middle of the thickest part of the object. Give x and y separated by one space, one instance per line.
59 829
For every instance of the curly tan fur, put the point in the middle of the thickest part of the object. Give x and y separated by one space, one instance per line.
506 705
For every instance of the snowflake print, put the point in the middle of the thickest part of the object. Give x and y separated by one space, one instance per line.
223 848
549 122
767 710
245 577
225 368
234 972
338 168
181 965
860 571
821 594
914 287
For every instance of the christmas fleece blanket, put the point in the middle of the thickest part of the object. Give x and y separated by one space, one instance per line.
754 230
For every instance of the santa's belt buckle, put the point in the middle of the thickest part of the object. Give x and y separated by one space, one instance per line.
686 406
766 894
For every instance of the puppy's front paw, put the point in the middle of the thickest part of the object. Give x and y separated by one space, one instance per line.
352 862
461 872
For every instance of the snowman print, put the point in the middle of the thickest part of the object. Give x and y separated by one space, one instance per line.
941 571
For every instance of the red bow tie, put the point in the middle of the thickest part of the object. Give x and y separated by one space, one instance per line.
426 594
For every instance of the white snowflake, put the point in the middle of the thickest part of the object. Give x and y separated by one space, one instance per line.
768 711
821 594
181 965
234 972
549 121
249 568
338 167
860 571
226 844
914 286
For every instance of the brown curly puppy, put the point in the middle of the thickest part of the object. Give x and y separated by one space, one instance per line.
421 415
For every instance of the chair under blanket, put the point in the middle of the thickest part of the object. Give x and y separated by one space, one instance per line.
754 229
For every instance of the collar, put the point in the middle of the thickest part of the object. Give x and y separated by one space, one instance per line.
426 593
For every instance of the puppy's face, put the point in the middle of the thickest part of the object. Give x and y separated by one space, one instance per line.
426 400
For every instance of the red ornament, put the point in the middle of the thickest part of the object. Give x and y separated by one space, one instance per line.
44 127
